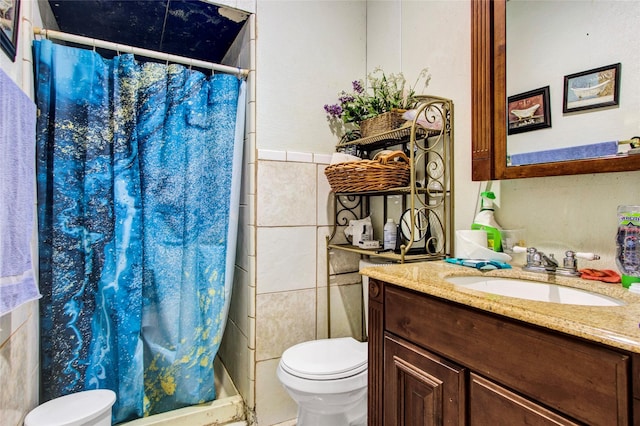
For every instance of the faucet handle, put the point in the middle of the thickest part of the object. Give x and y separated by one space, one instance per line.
570 261
571 258
586 256
534 257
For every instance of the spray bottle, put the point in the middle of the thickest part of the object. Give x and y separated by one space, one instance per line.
628 244
484 220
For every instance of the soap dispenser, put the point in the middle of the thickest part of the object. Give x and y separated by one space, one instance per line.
485 221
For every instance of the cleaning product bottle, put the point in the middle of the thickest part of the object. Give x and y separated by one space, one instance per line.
628 244
390 231
484 220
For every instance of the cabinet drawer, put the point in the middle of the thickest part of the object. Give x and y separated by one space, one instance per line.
584 381
491 404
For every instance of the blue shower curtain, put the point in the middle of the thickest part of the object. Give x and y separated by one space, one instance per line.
138 183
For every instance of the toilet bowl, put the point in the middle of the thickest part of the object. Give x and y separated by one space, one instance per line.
327 378
87 408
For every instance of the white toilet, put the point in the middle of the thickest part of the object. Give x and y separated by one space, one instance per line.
88 408
328 378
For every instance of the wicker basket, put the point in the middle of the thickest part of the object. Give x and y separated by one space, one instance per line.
388 169
382 123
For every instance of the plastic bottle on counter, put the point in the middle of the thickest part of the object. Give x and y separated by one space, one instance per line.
628 244
485 221
390 231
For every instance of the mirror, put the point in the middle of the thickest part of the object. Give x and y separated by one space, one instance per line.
420 225
489 107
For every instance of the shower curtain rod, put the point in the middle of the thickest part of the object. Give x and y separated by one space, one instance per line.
123 48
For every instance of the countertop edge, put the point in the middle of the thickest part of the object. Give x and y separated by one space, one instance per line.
615 326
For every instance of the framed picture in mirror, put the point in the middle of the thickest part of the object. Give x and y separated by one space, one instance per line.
596 88
9 12
529 111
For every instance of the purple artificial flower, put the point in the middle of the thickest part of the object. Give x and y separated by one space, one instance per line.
345 98
333 110
357 86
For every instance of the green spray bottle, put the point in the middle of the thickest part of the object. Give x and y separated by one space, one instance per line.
485 221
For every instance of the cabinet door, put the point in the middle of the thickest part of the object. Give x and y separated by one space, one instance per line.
491 404
421 388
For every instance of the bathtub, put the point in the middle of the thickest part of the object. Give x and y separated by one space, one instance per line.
228 408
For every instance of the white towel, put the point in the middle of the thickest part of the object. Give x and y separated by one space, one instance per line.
339 157
17 195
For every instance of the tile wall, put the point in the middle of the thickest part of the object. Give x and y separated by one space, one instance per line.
237 349
19 361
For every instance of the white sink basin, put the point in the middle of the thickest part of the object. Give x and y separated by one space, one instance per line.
533 290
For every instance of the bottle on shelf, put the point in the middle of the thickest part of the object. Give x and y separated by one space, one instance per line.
390 234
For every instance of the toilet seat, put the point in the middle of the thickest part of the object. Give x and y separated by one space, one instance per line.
326 359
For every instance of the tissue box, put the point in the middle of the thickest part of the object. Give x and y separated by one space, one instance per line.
370 244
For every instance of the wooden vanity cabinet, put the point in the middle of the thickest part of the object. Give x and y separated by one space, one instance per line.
436 362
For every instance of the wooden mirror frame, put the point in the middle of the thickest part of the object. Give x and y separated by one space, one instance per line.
488 107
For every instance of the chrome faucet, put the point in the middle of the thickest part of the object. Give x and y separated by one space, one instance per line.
537 261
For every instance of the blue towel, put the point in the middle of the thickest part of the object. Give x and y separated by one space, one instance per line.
17 195
481 264
595 150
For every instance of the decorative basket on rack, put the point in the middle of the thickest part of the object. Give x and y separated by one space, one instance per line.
382 123
388 169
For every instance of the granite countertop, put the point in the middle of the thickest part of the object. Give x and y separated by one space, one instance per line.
616 326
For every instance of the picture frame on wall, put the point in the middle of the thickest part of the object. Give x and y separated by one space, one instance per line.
9 18
529 111
595 88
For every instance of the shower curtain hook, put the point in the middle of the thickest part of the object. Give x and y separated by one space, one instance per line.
190 64
94 44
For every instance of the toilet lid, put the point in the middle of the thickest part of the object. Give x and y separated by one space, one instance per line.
73 409
326 359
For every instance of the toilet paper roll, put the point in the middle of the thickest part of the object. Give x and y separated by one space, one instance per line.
477 237
472 244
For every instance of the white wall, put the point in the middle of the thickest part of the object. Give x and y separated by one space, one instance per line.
437 34
407 36
307 52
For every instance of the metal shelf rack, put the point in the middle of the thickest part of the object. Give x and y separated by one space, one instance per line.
428 141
